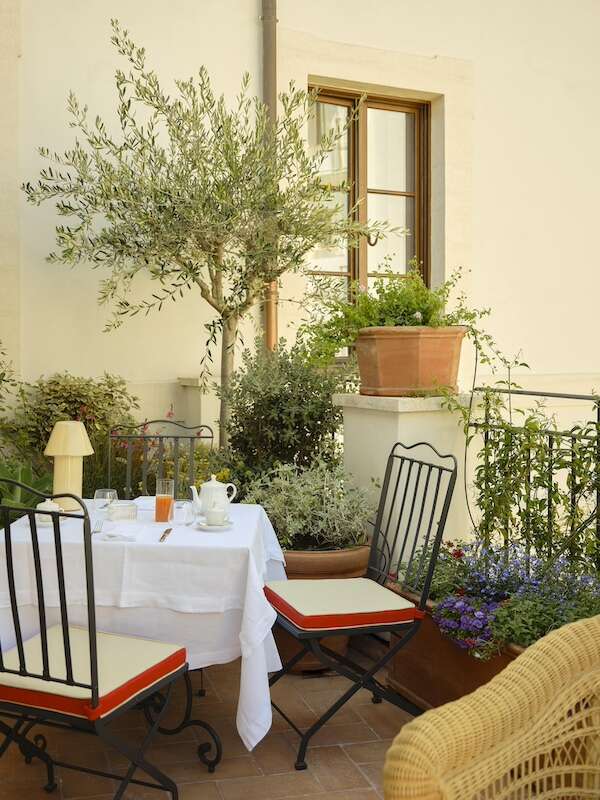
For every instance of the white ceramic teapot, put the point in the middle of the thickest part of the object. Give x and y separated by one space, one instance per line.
213 494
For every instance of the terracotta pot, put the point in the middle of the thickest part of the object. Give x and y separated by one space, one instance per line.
314 564
432 670
404 361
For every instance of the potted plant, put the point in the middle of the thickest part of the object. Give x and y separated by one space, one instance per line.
321 520
406 340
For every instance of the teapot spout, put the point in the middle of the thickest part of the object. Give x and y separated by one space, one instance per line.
195 498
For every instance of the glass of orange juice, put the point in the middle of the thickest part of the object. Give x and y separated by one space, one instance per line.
165 499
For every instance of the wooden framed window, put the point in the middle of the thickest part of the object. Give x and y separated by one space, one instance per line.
384 160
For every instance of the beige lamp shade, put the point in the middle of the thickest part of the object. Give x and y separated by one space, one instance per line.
69 438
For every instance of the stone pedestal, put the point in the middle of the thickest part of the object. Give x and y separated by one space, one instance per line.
372 425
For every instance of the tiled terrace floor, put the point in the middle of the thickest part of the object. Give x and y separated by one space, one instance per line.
344 763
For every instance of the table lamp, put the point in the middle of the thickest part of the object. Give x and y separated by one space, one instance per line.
67 445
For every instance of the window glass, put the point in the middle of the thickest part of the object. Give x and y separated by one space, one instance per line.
391 150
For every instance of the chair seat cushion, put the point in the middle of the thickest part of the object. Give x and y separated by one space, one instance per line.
127 666
339 603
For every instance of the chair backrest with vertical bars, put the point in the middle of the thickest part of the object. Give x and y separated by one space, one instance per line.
145 448
8 516
411 516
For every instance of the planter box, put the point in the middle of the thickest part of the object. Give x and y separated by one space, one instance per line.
432 670
403 361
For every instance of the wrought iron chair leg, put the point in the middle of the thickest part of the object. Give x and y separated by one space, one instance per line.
291 663
157 703
29 749
136 755
361 679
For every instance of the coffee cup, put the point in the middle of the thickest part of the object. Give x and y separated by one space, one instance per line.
216 516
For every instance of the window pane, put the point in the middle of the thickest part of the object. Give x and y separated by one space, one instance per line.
334 169
400 213
331 259
391 150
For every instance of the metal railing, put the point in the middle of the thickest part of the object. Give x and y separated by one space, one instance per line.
559 448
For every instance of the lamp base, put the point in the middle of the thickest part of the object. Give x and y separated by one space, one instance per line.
68 477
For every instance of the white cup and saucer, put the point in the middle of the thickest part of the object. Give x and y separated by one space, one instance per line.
215 519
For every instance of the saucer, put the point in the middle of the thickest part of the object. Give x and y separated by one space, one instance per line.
204 526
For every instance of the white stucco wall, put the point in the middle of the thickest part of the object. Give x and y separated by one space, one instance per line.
516 198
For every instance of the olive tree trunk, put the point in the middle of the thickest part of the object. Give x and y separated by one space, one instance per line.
230 329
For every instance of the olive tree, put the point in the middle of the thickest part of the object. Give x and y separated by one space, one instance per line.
198 194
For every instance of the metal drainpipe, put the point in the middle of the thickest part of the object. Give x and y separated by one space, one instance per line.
269 84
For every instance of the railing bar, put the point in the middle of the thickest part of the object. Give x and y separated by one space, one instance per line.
12 591
64 613
592 398
517 429
175 467
129 475
598 485
550 487
192 465
145 466
161 457
39 585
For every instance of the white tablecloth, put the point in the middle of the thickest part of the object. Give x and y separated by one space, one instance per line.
203 590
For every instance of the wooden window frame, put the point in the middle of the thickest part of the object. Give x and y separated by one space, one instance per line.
357 174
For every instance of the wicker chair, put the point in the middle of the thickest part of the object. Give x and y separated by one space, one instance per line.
532 732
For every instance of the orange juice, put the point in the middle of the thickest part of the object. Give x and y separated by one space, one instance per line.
164 508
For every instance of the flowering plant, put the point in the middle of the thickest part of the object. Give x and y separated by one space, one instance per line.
489 596
467 621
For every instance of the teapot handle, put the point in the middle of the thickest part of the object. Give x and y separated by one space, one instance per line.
233 494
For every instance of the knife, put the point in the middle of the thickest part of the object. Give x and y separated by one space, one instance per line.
165 534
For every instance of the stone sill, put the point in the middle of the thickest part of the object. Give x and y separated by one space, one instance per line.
394 405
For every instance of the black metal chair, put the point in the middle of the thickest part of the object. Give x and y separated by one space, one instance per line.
411 516
78 678
153 439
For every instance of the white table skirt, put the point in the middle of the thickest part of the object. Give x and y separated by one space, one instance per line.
177 591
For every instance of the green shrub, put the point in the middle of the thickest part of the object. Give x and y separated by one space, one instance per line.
316 508
282 409
100 403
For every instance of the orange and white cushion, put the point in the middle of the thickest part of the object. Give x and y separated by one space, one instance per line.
127 666
339 603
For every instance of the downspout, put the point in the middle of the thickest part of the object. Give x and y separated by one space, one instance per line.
269 86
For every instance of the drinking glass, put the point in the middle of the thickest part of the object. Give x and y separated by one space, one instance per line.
165 498
103 498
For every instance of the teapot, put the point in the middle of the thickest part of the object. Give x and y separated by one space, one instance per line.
213 494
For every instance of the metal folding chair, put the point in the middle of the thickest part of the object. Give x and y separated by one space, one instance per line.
149 442
408 530
75 677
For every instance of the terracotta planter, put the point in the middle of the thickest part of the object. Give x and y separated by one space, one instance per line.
432 670
404 361
314 564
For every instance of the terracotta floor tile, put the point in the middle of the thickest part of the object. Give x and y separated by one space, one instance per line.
229 768
274 754
270 787
374 774
79 784
334 770
385 718
368 752
353 794
199 791
337 734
